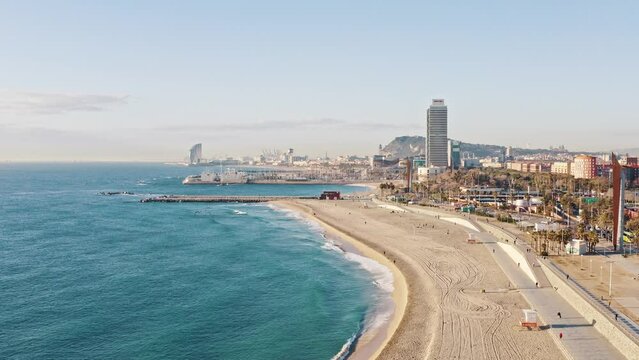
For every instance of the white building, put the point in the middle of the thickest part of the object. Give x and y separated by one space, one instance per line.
437 134
424 172
561 167
195 154
576 247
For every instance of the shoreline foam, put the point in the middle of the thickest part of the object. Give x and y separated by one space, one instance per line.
387 317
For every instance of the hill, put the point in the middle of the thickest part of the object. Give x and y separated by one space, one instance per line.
407 146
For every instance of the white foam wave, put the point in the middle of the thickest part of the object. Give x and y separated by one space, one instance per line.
330 245
346 349
382 276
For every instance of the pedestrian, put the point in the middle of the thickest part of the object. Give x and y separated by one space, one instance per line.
567 277
559 314
561 335
536 284
616 317
493 251
517 264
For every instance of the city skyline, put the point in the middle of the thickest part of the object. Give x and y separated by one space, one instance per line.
147 81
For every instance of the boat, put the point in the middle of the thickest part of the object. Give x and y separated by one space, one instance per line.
238 212
210 178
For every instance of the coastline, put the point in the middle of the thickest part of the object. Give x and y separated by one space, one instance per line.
372 342
446 314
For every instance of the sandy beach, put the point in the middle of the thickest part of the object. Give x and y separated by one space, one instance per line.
441 309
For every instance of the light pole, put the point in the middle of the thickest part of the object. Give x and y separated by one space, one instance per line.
581 262
601 273
610 282
591 267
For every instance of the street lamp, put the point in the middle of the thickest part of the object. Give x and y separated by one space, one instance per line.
610 281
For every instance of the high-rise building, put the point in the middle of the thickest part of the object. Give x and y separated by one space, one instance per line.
454 154
195 154
584 167
509 153
437 134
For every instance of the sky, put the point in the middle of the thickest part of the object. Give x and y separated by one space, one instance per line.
145 80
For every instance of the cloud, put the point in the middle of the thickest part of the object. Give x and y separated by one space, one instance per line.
55 103
285 125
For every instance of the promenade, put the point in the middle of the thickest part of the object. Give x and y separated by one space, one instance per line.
580 338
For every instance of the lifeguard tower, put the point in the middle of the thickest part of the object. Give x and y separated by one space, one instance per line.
530 319
471 239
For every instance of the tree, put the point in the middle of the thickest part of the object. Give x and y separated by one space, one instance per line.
566 205
592 239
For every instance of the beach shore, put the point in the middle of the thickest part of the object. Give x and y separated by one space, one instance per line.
452 299
372 342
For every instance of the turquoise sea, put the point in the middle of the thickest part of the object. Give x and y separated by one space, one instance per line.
85 276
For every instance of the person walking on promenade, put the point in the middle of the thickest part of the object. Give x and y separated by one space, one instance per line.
616 317
561 335
559 314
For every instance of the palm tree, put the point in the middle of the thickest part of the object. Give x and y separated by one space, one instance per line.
566 204
592 239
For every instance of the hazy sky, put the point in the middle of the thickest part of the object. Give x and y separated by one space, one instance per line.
124 80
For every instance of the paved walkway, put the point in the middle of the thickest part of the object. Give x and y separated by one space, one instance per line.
580 339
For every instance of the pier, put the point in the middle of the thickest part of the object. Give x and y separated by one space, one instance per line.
220 199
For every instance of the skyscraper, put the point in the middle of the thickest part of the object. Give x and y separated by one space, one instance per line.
437 134
195 154
454 154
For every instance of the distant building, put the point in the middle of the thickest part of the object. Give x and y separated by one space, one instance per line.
528 166
419 162
491 163
627 160
378 161
423 173
437 134
561 167
470 163
509 153
584 167
454 154
195 154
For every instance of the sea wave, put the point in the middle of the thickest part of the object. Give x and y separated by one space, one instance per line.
383 278
347 348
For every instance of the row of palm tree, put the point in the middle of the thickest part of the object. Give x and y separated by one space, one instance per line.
554 189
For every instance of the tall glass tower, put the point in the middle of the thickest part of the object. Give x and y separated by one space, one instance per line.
195 154
437 134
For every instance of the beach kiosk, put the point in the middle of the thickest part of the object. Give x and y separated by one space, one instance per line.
576 247
530 319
